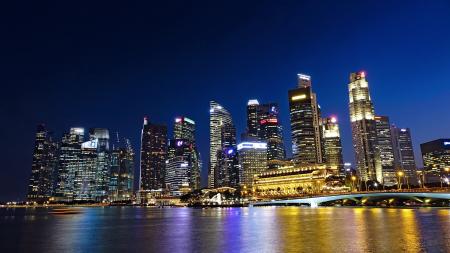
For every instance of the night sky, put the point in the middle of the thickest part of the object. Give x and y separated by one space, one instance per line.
109 64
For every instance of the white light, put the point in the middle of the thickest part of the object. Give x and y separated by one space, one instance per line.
403 130
178 120
189 120
304 77
446 143
252 145
253 102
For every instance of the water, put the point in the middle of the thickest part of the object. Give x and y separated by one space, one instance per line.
258 229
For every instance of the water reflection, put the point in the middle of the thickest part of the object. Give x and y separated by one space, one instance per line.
265 229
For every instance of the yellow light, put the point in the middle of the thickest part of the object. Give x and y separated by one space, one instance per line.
400 173
353 178
298 97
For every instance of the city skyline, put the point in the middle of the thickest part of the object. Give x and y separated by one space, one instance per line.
213 83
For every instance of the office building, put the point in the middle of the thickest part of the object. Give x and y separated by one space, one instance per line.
44 165
122 171
252 161
436 156
363 126
219 117
227 172
332 145
271 132
404 153
305 123
153 156
386 172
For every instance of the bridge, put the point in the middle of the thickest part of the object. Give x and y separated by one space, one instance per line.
359 197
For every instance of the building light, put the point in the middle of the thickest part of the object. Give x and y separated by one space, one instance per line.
333 119
304 77
178 120
253 102
298 97
403 130
252 145
446 143
189 120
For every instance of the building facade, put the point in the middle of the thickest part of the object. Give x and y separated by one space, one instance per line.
332 145
227 172
363 126
271 131
404 153
252 161
305 123
44 166
436 156
122 171
153 156
387 172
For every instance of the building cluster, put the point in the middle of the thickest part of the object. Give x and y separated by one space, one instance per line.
79 168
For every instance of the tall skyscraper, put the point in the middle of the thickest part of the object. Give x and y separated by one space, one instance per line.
219 117
153 156
69 161
271 131
305 123
252 161
436 156
363 125
332 145
227 170
386 171
44 166
122 171
183 160
404 152
253 111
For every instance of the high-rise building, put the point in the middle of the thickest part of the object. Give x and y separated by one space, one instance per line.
436 156
363 125
404 152
305 123
253 111
219 117
184 128
252 161
44 166
153 156
271 131
332 145
122 171
227 169
386 173
69 161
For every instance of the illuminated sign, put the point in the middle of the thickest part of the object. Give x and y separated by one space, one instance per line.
189 120
273 109
179 143
446 143
298 97
90 144
264 121
252 145
304 77
230 151
403 130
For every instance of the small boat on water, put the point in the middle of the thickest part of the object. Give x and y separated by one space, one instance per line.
65 211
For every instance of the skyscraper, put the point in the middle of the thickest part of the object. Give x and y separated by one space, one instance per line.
227 170
253 111
363 125
122 171
332 145
436 156
252 161
153 156
305 123
404 152
184 128
219 117
69 161
271 131
386 172
44 166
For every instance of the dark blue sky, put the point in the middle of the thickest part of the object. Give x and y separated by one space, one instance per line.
109 64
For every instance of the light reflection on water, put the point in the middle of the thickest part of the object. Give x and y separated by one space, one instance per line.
262 229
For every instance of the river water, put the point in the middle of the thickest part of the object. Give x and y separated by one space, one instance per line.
257 229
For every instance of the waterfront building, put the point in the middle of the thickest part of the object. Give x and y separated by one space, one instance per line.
305 123
227 172
69 160
122 171
184 128
253 117
436 156
44 165
291 181
252 161
332 145
219 117
404 153
386 172
271 131
363 126
153 156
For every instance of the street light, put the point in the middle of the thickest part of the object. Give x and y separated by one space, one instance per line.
399 174
353 182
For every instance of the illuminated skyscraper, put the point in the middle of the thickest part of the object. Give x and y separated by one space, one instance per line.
252 161
44 166
227 172
305 123
122 171
271 131
153 156
253 111
219 117
363 126
184 128
332 145
69 161
404 152
436 156
386 173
